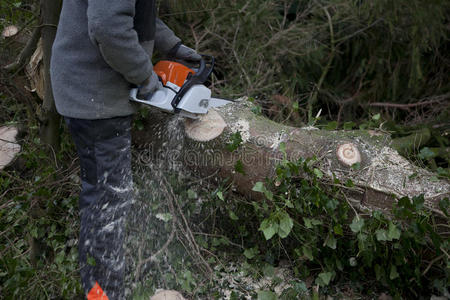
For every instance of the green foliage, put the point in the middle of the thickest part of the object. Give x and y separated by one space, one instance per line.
235 141
15 12
342 53
38 225
304 219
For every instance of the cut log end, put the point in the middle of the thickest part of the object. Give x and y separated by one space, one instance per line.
167 295
348 154
8 146
206 128
9 31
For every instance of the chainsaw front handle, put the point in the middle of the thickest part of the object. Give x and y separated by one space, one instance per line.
133 94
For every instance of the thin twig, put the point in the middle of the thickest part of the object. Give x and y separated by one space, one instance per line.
431 264
405 106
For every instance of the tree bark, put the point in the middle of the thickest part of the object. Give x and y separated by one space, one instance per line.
382 177
50 119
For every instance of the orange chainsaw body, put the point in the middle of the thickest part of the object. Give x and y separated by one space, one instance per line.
170 71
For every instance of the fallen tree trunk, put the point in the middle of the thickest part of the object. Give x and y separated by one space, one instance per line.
382 175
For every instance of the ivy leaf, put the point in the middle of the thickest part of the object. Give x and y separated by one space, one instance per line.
259 187
426 153
307 251
236 141
299 287
331 125
289 204
393 232
318 173
268 228
357 224
332 204
233 215
379 272
267 295
220 195
251 252
239 167
286 225
418 201
393 274
404 202
376 117
310 223
324 278
268 194
349 125
331 242
381 235
268 270
338 229
164 217
282 148
191 194
356 166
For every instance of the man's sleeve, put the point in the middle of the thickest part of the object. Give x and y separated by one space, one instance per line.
165 39
111 28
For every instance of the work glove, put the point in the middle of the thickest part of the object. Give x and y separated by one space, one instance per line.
182 52
149 86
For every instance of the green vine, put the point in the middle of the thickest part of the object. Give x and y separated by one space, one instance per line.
306 220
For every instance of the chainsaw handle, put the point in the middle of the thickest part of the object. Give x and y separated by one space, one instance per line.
199 77
133 94
204 72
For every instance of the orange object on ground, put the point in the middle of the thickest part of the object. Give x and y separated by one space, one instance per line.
96 293
172 71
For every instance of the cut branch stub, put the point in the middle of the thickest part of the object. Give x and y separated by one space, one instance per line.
348 154
9 31
8 146
167 295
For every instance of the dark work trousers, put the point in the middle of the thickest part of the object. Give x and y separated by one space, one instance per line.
104 151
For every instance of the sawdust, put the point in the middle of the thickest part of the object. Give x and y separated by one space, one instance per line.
401 177
243 127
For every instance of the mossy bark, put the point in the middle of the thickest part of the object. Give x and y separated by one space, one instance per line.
50 119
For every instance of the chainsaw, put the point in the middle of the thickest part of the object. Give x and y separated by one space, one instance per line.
183 90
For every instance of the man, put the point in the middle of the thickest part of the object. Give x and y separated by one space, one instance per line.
102 48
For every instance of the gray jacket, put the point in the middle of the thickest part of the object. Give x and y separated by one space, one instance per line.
99 52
